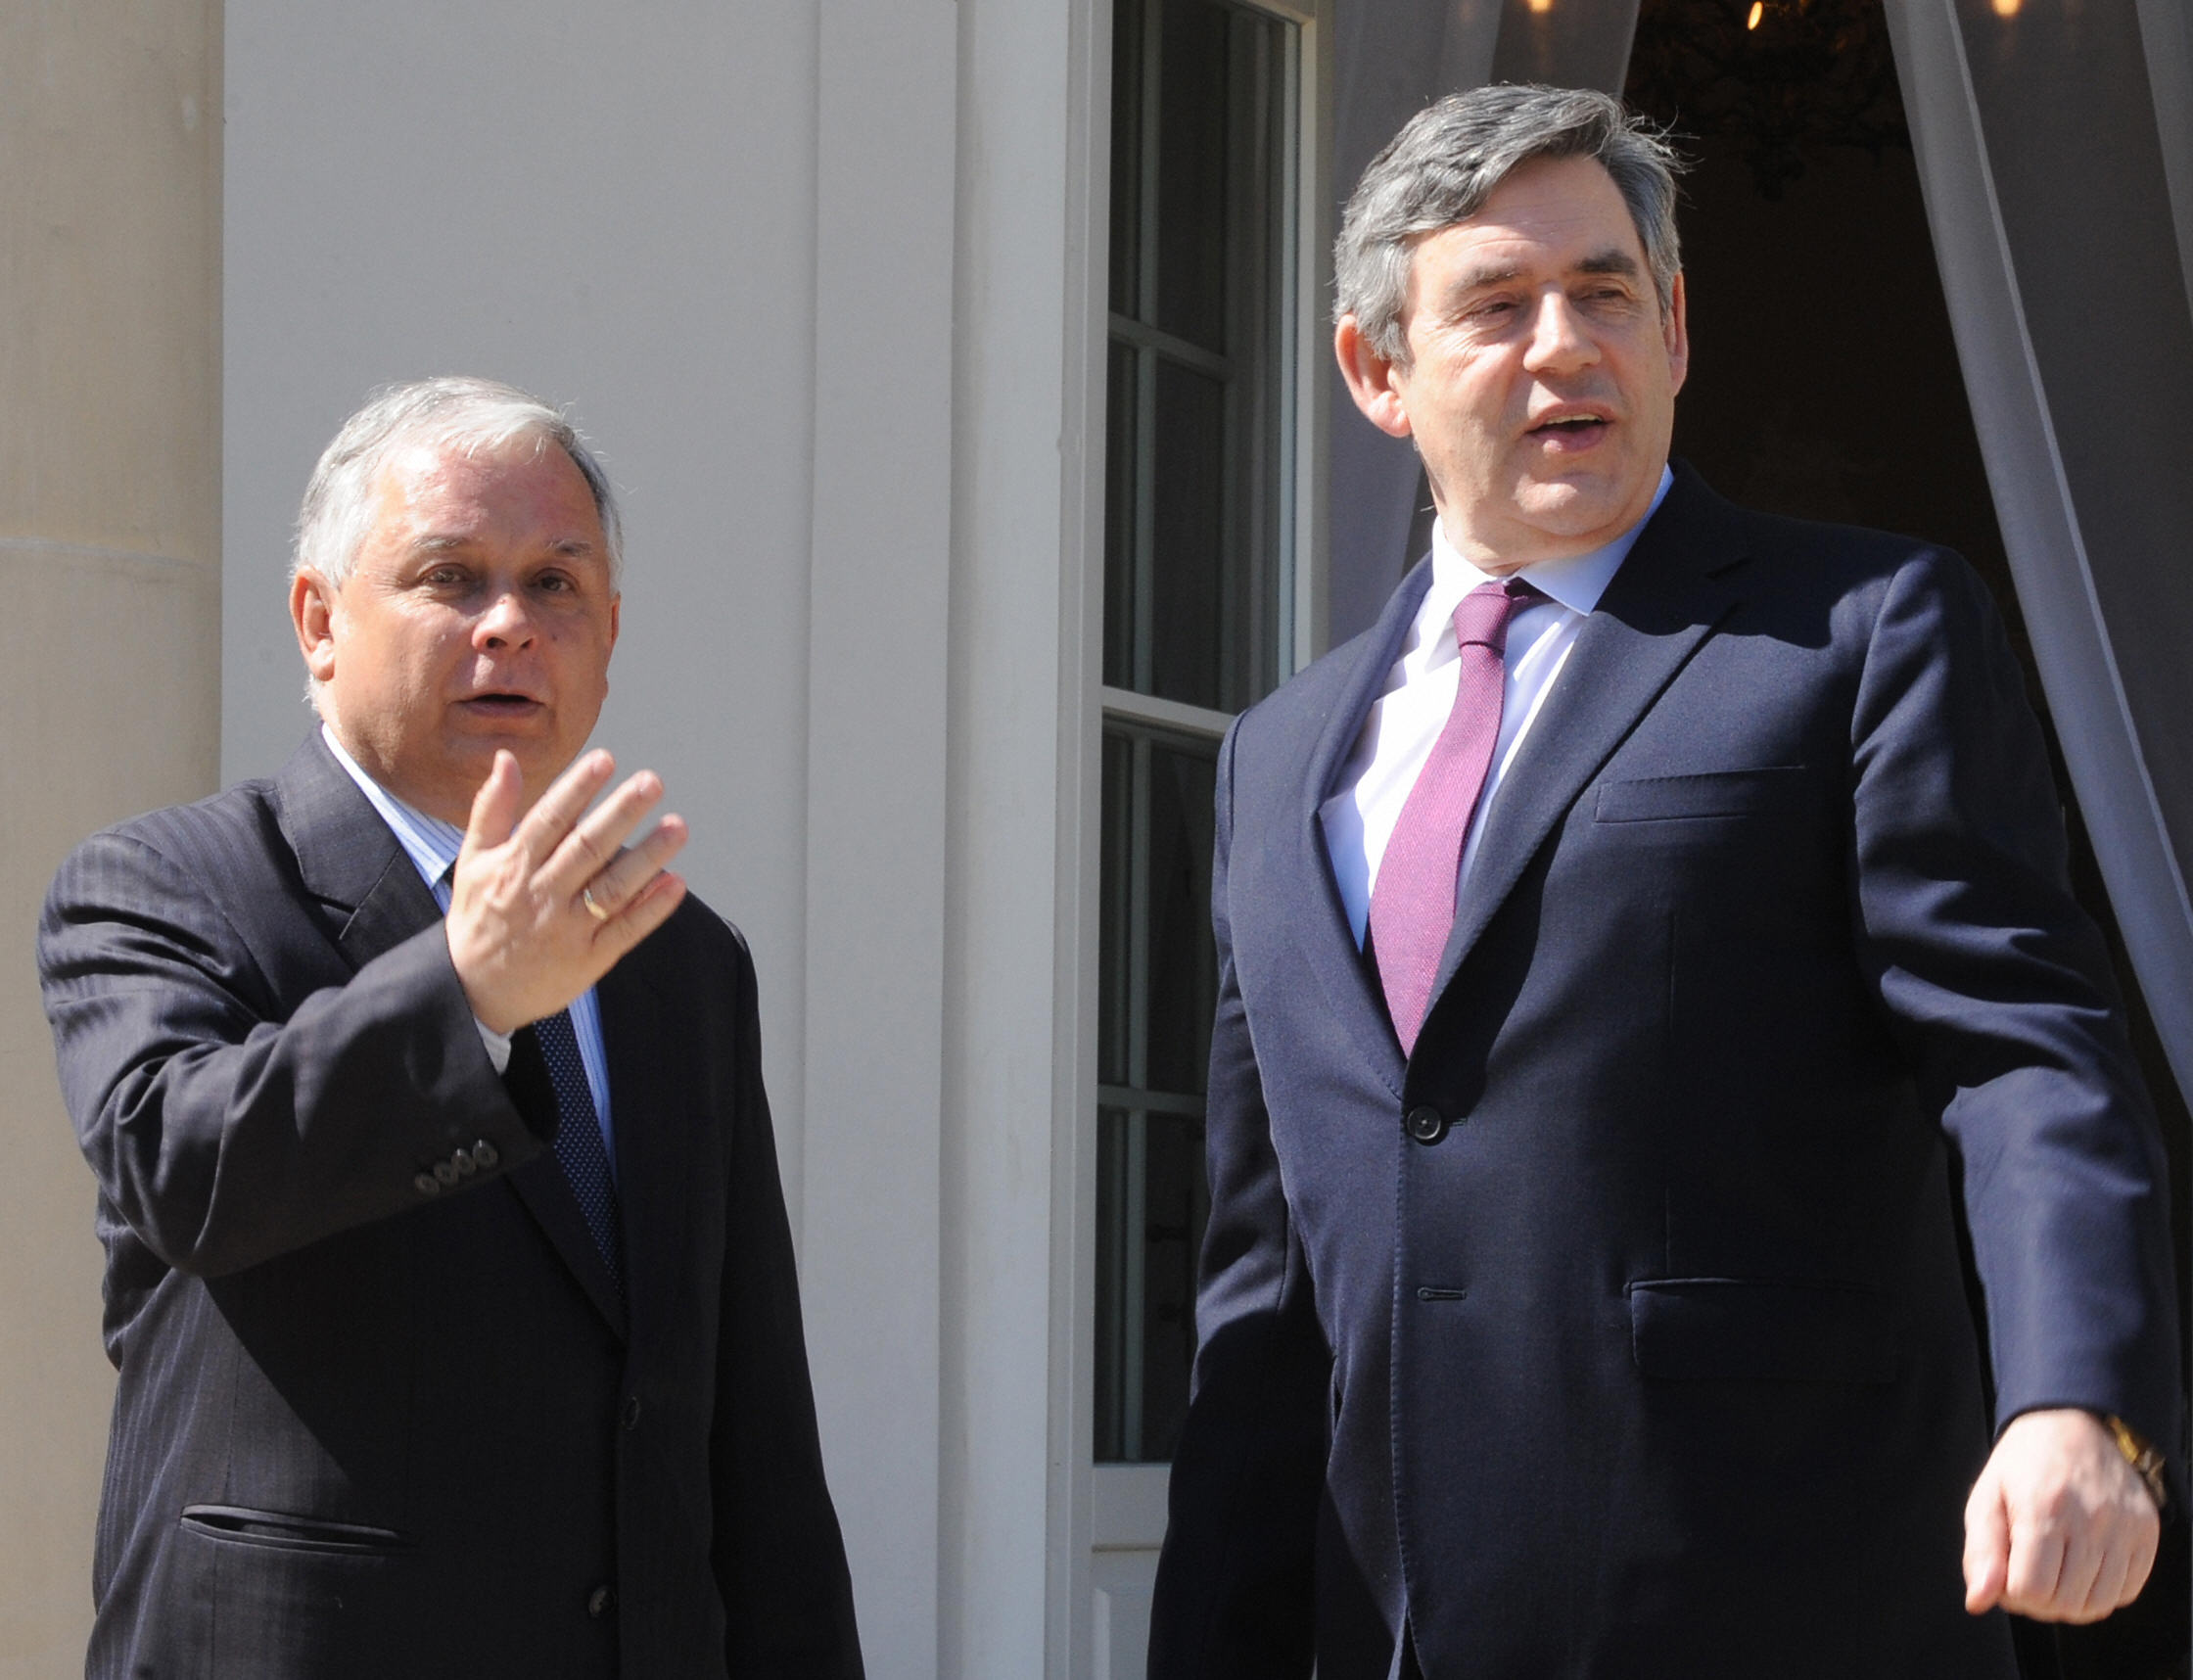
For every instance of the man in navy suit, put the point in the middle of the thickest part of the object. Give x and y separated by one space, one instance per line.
1631 949
447 1270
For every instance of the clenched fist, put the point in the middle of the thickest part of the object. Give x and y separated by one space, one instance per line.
2059 1526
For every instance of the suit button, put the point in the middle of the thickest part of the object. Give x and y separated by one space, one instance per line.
632 1412
1426 1125
464 1163
446 1172
600 1601
425 1184
484 1155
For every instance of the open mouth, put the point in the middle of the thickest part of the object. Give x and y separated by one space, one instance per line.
1571 427
502 704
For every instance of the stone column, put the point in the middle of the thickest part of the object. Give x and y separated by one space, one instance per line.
109 651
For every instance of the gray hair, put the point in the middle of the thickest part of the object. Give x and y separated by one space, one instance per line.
1450 156
449 413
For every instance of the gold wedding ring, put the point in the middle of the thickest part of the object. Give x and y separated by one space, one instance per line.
586 898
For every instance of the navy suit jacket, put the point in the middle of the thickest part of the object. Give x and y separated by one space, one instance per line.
1621 1331
365 1428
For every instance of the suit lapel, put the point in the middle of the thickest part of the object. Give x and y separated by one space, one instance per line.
367 891
1667 597
653 1175
370 897
651 1184
1325 935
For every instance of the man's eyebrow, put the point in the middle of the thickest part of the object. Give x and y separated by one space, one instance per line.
1490 274
1613 261
446 542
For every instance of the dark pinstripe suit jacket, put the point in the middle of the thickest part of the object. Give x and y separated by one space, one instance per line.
364 1429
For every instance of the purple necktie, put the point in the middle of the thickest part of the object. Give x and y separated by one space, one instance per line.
1413 904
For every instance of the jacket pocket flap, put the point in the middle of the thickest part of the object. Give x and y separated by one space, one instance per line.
1714 793
285 1530
1738 1329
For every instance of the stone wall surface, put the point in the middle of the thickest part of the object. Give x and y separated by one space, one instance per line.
109 652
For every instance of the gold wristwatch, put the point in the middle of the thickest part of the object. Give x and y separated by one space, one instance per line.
2139 1453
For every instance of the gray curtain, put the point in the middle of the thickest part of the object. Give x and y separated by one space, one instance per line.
2052 147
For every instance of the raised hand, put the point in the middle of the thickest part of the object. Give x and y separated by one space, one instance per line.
543 905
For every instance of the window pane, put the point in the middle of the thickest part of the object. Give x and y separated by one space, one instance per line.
1122 535
1117 995
1176 1208
1188 565
1199 541
1152 1208
1112 1287
1214 616
1193 177
1127 157
1182 988
1157 970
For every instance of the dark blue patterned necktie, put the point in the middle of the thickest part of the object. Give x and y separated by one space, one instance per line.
578 1145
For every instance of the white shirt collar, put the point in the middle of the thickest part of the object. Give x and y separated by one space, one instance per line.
1576 582
430 843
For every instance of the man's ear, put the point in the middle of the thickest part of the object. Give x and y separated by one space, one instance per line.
313 612
1677 328
1372 379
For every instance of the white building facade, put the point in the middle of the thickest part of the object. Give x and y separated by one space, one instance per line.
963 371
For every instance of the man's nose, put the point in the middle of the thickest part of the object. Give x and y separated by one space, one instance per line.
1558 338
505 623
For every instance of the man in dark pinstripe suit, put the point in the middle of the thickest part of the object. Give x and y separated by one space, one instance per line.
448 1276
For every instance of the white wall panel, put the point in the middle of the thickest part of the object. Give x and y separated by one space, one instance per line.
879 642
1019 1067
612 206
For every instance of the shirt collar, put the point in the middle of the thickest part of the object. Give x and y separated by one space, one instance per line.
430 843
1576 582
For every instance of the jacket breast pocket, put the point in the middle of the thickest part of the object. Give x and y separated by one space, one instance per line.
1744 1329
1702 797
